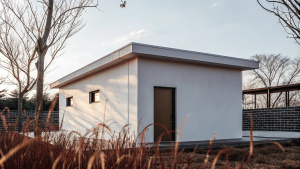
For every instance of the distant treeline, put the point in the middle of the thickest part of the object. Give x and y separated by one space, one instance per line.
28 103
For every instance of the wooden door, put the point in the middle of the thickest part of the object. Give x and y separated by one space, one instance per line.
164 112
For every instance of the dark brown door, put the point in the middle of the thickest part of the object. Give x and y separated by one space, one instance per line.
164 113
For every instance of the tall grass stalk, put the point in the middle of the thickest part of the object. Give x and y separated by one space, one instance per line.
121 150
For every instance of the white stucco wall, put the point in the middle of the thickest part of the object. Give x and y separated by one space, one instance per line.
211 95
118 99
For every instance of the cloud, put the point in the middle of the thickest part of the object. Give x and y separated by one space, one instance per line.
215 4
132 36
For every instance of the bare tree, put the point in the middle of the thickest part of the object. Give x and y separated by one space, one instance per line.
275 70
30 31
288 13
43 28
17 56
3 91
62 20
2 79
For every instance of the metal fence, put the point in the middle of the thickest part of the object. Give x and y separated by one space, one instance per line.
9 119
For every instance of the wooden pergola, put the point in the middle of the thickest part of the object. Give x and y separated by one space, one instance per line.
276 89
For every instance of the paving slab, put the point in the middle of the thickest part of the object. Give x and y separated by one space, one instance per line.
239 142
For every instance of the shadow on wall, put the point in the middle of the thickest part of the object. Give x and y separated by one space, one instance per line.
112 109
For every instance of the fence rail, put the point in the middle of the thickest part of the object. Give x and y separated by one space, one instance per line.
28 119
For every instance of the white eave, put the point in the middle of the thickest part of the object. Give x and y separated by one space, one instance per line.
142 50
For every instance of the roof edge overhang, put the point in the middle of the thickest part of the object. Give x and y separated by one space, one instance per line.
143 50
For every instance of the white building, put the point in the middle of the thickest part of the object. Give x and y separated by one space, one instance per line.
158 85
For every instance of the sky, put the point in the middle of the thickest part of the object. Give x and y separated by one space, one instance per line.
237 28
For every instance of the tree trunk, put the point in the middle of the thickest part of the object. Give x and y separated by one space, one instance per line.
42 50
20 112
39 91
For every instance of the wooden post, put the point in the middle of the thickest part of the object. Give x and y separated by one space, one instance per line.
254 101
288 99
268 98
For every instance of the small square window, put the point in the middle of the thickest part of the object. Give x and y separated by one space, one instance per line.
69 101
94 96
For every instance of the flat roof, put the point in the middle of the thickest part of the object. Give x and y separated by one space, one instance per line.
134 49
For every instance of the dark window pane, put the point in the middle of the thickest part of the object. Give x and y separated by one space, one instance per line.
69 101
94 96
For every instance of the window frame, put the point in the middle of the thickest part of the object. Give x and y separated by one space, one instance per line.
69 101
92 98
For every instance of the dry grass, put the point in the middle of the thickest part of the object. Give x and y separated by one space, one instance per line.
264 156
122 150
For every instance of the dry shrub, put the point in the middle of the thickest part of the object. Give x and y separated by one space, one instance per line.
124 150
